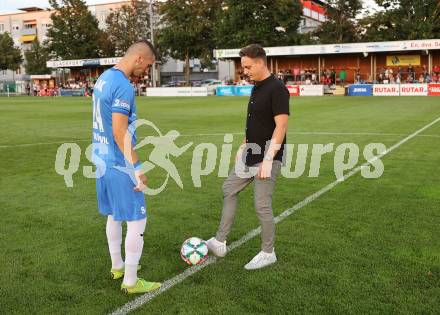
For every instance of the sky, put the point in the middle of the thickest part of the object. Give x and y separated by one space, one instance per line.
13 5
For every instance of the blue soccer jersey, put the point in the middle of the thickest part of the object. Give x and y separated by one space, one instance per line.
113 93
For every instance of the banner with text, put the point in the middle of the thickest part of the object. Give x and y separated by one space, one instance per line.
386 90
360 90
403 60
227 90
177 91
243 90
434 89
311 90
293 90
414 89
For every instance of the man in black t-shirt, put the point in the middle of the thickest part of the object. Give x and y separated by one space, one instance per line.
260 156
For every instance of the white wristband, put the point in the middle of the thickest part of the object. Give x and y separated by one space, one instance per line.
268 158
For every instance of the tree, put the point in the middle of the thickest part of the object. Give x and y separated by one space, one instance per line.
265 22
187 30
376 27
403 20
10 56
341 25
74 33
127 25
36 58
106 46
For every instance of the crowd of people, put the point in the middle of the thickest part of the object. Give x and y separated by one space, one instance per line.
311 76
295 76
332 76
42 90
45 89
308 76
86 86
399 75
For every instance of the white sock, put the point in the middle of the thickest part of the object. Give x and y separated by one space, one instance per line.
134 242
114 240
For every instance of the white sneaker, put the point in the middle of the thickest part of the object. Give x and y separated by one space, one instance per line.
261 260
216 247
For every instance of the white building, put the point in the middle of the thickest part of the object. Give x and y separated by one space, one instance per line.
27 24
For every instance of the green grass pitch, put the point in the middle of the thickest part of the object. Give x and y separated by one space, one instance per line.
368 246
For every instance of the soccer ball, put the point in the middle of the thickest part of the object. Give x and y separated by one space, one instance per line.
194 251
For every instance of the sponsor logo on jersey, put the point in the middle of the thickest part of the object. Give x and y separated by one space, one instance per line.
122 104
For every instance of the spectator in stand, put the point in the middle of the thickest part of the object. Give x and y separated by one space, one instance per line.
328 78
328 81
322 77
307 76
280 75
421 78
86 90
333 75
296 73
287 76
303 75
425 72
391 76
411 72
399 76
143 86
342 76
428 78
381 75
436 70
357 76
387 76
314 76
434 77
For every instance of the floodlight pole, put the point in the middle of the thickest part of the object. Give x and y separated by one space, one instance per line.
153 69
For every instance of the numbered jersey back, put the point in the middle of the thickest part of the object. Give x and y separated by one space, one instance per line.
112 93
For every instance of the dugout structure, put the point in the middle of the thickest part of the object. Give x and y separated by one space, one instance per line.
367 59
81 70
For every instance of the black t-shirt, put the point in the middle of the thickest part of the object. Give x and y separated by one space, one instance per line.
269 98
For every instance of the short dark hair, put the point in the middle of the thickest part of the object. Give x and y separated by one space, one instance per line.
150 45
253 51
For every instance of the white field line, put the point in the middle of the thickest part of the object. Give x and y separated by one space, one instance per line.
41 143
233 133
143 299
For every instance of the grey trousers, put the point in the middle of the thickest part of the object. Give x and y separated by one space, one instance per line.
263 190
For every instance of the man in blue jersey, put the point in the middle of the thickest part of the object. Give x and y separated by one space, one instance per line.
120 179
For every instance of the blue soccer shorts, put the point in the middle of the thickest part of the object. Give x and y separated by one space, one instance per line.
116 197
